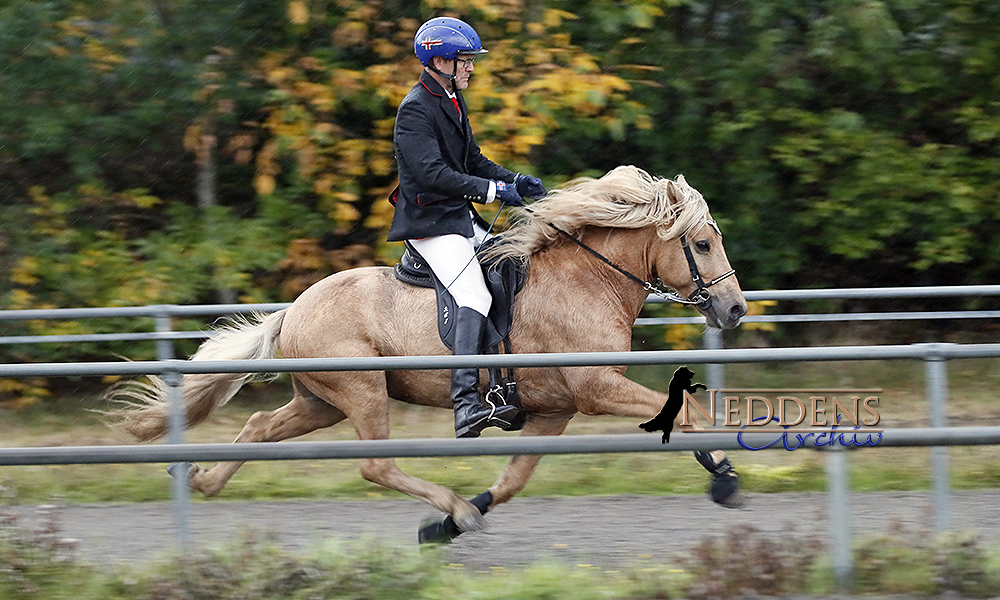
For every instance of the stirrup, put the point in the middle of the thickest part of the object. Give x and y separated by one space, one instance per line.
505 394
501 416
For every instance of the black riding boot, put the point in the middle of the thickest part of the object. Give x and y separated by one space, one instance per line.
471 415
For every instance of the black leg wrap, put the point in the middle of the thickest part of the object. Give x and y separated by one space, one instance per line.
725 485
483 501
445 530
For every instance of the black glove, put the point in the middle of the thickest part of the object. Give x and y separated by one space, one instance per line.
507 194
529 186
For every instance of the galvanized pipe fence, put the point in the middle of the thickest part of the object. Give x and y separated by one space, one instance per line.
934 355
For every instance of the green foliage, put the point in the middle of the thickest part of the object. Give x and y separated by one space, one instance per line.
831 138
257 569
35 562
903 561
197 151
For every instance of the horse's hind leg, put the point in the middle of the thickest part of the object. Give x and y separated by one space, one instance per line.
511 481
305 413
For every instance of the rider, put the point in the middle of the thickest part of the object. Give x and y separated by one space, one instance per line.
441 173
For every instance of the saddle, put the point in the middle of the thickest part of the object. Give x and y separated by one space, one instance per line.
504 279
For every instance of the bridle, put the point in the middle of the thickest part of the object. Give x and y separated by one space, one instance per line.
700 298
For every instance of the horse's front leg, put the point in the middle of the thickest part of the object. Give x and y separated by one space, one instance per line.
511 481
519 469
606 391
725 486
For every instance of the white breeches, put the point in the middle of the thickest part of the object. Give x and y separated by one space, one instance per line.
452 257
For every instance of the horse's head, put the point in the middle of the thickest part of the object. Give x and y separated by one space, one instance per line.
695 263
681 244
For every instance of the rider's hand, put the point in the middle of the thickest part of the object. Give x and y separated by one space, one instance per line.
507 194
529 186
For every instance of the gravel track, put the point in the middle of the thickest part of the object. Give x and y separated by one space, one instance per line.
605 532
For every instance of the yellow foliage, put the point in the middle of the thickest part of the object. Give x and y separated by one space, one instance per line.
554 17
757 308
24 272
298 12
683 336
19 393
20 298
264 184
532 80
345 213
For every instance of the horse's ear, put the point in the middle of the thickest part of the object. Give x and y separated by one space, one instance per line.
681 181
673 193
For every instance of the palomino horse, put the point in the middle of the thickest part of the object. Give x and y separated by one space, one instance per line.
649 229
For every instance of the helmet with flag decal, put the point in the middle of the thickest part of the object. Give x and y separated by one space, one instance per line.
446 37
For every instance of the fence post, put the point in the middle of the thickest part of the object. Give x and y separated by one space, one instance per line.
180 488
164 345
936 376
714 373
838 494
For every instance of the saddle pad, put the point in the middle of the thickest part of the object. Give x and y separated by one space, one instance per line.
504 279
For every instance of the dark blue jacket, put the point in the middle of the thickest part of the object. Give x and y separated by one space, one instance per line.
441 168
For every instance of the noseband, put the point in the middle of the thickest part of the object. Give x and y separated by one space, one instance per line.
700 298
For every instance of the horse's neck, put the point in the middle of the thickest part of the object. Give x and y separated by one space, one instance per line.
626 248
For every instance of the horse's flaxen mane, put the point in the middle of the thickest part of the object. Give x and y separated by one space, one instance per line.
626 197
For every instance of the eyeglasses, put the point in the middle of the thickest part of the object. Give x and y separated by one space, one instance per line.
465 63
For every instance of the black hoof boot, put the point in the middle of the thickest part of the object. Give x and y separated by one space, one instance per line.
725 487
434 531
438 532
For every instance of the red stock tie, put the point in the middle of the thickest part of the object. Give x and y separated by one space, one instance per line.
455 102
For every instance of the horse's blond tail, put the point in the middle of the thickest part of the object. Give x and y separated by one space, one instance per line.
143 407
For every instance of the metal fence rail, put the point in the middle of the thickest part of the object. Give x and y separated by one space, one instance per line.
163 313
423 448
927 351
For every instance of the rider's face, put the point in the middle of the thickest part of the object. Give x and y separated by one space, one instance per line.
463 66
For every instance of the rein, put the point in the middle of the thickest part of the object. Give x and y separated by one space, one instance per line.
701 297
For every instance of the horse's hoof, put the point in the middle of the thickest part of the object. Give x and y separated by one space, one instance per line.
725 490
471 521
735 500
182 469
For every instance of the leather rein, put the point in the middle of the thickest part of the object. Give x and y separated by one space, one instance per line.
700 298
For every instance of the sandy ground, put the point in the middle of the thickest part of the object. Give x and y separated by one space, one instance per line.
606 532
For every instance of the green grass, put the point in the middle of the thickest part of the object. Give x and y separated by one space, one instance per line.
972 401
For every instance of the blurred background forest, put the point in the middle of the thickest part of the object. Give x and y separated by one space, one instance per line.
200 151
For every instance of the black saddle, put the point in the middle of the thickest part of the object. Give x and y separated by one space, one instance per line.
504 278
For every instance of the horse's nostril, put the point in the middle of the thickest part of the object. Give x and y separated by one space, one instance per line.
738 311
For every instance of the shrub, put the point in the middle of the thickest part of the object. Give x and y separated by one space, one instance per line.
909 561
746 562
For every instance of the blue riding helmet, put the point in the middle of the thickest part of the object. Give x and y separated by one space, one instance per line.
446 37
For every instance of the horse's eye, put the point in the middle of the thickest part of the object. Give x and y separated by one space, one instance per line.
703 246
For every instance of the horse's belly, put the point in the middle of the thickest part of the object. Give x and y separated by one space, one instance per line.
426 388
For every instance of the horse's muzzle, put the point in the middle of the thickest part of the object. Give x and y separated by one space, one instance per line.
724 318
